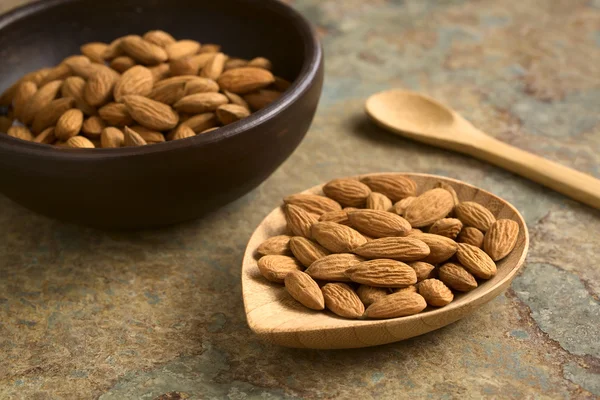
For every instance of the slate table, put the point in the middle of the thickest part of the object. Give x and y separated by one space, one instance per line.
87 314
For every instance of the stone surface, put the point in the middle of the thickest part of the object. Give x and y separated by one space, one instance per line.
158 314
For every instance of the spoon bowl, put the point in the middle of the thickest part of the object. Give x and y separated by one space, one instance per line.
274 316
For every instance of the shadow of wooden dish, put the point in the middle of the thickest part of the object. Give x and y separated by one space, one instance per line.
273 316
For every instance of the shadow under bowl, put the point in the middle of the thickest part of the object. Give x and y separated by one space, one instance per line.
275 317
166 183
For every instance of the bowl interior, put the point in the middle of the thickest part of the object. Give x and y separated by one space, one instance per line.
43 34
275 316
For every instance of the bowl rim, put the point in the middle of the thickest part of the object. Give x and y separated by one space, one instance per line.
369 323
308 73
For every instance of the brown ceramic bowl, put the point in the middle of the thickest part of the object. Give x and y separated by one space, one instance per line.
169 182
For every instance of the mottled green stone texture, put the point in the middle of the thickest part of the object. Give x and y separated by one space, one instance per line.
87 314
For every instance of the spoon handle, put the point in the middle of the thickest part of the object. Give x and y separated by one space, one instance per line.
571 183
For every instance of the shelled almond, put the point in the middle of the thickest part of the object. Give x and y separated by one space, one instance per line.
394 251
153 82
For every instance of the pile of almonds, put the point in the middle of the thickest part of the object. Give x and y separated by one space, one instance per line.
136 91
388 249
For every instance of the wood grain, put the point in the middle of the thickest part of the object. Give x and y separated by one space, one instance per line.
274 316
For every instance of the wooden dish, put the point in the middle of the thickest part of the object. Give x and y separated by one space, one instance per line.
274 316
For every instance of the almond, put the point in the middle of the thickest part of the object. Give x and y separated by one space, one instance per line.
209 48
149 135
333 267
342 300
94 51
124 63
245 80
411 289
200 85
181 132
46 137
229 113
99 88
449 188
476 261
214 68
159 38
313 203
160 71
432 205
184 66
20 132
201 122
378 224
23 94
93 126
448 227
235 63
112 138
260 62
137 80
210 129
182 48
394 186
39 100
69 124
114 50
369 294
307 251
398 304
49 115
397 248
151 114
401 206
143 51
168 94
79 142
58 73
340 217
382 273
115 114
456 277
378 201
74 86
200 102
281 84
440 248
276 245
336 238
305 290
422 269
132 138
435 292
470 235
261 98
235 99
80 66
6 98
475 215
347 192
276 267
501 238
299 221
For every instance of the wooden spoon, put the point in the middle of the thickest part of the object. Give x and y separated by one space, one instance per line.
421 118
276 317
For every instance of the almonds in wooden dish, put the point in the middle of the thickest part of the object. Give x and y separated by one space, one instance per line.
154 81
368 255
